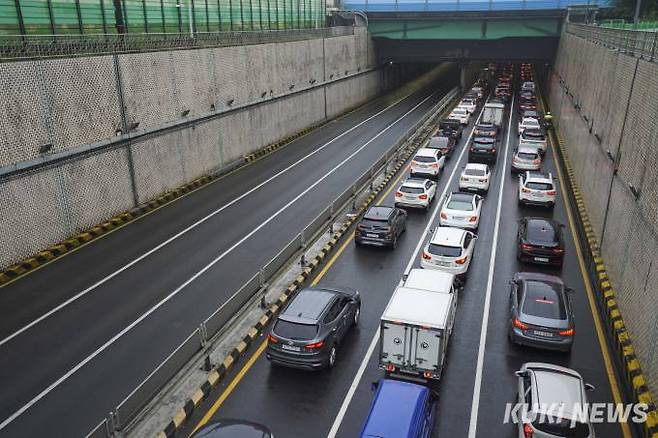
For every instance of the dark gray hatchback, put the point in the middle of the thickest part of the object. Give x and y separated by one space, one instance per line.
308 332
541 314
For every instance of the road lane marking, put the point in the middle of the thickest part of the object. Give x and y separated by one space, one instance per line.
364 363
187 229
146 314
234 382
610 372
475 403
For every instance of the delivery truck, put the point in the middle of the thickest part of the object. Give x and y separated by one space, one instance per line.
493 113
416 326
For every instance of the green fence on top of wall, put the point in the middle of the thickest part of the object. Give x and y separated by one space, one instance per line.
47 17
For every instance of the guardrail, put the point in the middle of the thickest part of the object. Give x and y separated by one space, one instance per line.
17 47
634 42
199 340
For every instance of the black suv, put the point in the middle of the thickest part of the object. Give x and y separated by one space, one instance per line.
482 149
445 144
381 226
451 128
540 240
307 333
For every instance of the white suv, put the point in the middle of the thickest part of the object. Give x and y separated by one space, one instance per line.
460 114
475 176
449 250
416 192
526 158
528 123
427 162
461 210
533 137
537 188
559 394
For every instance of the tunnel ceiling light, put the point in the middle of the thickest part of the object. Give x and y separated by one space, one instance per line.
45 148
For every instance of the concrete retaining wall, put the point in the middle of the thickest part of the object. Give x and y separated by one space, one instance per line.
74 102
605 104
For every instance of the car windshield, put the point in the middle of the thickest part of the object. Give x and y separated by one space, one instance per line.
561 427
539 186
541 232
459 111
527 155
483 145
475 172
544 300
457 204
293 330
422 159
415 190
378 213
444 250
531 122
438 142
533 135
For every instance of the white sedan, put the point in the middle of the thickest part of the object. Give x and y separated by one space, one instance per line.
460 114
416 192
449 250
476 177
537 188
468 104
461 210
528 123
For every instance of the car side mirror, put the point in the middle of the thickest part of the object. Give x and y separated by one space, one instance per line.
589 387
520 373
570 290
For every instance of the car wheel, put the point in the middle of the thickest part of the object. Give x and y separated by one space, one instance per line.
331 358
357 314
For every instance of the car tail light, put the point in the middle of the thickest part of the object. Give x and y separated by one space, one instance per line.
390 367
463 178
524 190
568 332
461 261
472 149
435 165
426 256
444 216
271 339
398 194
493 150
527 430
428 374
473 219
537 161
414 162
519 325
314 346
526 246
558 250
423 196
551 193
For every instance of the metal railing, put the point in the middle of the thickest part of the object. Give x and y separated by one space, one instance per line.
639 43
16 47
199 340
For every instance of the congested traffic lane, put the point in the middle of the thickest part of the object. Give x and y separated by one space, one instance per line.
128 320
301 404
295 403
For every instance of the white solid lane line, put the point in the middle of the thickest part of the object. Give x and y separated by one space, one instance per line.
186 230
475 403
359 375
198 274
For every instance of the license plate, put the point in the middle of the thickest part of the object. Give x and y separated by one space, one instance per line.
411 198
372 235
443 263
543 334
541 259
290 347
459 218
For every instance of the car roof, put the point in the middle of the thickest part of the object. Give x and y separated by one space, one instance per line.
414 182
308 305
477 166
539 176
557 388
483 140
527 150
535 276
462 196
540 222
395 409
533 131
448 236
427 152
378 212
528 118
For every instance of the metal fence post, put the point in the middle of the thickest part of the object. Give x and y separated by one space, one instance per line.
19 15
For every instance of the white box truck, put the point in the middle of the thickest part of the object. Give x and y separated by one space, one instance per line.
416 326
493 113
